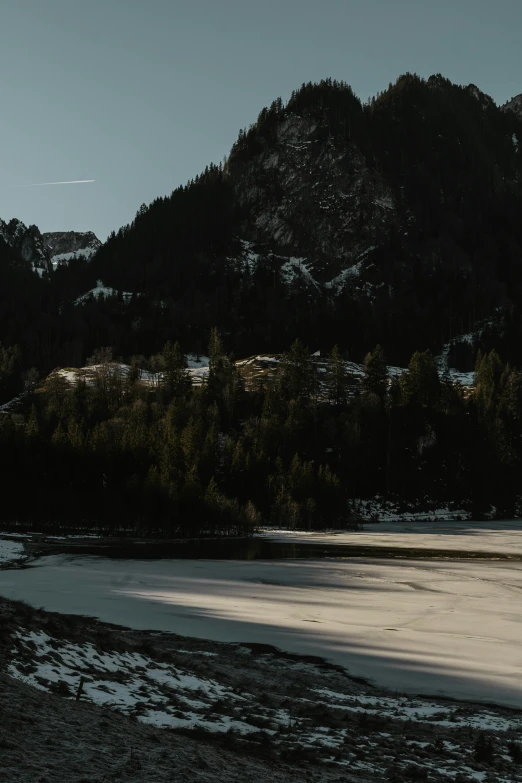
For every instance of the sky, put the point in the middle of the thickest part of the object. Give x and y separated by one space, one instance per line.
140 95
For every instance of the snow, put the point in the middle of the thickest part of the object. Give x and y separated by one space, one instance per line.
85 252
71 376
10 551
199 375
165 689
338 282
6 407
466 379
198 369
250 258
447 715
444 627
490 538
383 510
196 361
385 201
352 272
295 269
102 290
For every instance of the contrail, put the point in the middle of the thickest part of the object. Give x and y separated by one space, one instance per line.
71 182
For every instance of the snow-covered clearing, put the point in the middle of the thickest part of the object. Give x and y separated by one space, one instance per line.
197 369
433 627
103 290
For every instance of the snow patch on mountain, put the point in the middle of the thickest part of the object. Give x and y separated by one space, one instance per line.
105 291
249 257
466 379
64 246
297 269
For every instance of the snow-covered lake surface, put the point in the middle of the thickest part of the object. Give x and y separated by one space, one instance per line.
503 537
451 628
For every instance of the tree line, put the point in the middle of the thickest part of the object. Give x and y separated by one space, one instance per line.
119 454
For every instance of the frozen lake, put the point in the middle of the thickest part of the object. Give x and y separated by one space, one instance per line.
493 537
445 627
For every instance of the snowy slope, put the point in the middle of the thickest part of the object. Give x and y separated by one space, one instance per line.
99 291
64 246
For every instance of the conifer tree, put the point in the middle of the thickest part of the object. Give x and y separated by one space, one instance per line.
336 379
421 384
298 380
176 379
375 380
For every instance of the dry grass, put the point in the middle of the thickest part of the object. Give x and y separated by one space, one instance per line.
299 733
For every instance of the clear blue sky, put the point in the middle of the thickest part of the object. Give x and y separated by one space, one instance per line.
141 94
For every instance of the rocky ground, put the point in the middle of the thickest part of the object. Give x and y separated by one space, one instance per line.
157 707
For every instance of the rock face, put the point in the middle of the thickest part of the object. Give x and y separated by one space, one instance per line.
66 245
396 221
309 198
514 105
28 241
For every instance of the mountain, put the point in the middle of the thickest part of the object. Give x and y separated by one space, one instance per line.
66 245
395 221
28 243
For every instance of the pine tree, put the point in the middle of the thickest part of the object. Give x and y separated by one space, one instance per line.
336 378
375 379
488 372
33 427
298 379
421 384
176 379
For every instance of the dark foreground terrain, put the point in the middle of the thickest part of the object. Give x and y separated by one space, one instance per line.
158 707
45 738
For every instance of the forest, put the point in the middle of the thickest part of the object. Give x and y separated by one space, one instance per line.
121 456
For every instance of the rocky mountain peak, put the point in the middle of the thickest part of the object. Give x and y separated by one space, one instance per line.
29 243
66 245
514 105
305 195
485 100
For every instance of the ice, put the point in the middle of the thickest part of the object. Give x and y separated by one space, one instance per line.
444 627
493 538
